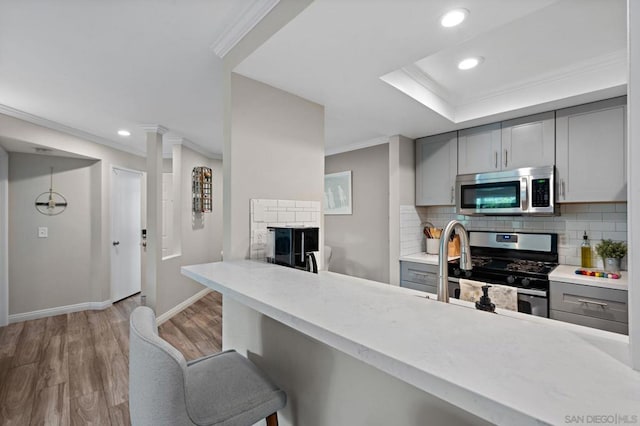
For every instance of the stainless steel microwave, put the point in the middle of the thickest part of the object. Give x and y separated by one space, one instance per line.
525 191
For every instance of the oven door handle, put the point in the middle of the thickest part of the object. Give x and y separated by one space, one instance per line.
532 292
524 191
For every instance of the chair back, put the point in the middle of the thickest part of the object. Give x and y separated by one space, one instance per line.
156 375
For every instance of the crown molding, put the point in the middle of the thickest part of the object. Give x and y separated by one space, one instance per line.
179 140
72 131
427 82
248 19
354 146
574 71
154 128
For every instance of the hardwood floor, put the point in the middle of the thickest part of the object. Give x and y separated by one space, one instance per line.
73 369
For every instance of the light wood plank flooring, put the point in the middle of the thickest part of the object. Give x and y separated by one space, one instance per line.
73 369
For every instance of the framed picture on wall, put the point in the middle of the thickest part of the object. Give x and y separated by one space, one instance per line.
337 193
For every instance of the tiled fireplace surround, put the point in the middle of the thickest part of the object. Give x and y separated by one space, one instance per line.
601 221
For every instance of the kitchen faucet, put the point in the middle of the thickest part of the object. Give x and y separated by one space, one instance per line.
443 257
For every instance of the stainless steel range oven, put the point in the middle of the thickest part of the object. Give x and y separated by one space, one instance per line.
522 260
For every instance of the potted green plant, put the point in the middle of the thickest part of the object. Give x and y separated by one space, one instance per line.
611 252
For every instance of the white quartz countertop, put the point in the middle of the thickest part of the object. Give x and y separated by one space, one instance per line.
567 274
505 369
429 259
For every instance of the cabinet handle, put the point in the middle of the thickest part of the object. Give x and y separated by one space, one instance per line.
593 302
452 194
562 187
506 153
496 160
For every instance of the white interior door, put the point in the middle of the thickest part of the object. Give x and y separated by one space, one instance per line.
125 233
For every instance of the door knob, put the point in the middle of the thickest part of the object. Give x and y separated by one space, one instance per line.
116 243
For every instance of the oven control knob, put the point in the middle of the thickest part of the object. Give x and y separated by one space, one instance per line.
511 279
467 274
457 272
526 281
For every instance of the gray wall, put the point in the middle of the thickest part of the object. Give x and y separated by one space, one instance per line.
54 271
201 234
19 130
275 151
360 242
201 240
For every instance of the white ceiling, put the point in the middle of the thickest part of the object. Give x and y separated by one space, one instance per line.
537 54
99 66
93 67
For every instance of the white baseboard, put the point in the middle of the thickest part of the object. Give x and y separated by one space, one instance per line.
179 307
43 313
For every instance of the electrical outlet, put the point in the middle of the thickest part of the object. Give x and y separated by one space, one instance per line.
43 232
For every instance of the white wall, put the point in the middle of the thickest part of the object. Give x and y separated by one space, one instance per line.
4 238
200 234
54 271
276 151
402 183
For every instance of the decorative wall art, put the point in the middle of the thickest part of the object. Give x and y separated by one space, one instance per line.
337 193
51 203
202 188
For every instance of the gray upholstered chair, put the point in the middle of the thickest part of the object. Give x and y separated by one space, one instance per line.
222 389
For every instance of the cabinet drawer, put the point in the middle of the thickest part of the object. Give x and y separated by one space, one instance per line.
422 287
419 273
602 324
603 303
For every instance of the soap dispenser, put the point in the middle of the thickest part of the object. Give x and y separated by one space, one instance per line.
484 304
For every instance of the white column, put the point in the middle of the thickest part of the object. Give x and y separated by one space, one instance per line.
633 178
154 211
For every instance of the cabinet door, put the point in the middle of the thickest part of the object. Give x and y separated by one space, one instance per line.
529 141
591 148
436 168
479 149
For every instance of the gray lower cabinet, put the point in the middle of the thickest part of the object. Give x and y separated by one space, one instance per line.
597 307
419 276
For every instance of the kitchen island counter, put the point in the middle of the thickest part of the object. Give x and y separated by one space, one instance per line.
503 369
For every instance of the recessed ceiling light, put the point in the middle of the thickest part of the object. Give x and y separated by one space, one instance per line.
467 64
453 17
124 133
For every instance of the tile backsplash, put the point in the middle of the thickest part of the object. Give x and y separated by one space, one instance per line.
601 221
266 213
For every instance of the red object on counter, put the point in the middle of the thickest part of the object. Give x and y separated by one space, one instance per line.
598 274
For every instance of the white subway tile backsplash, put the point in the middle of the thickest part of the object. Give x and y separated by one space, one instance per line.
614 235
278 213
615 217
286 217
602 208
602 226
303 216
589 216
602 220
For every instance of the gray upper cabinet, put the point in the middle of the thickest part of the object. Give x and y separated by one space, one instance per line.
436 159
479 149
592 137
528 141
522 142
